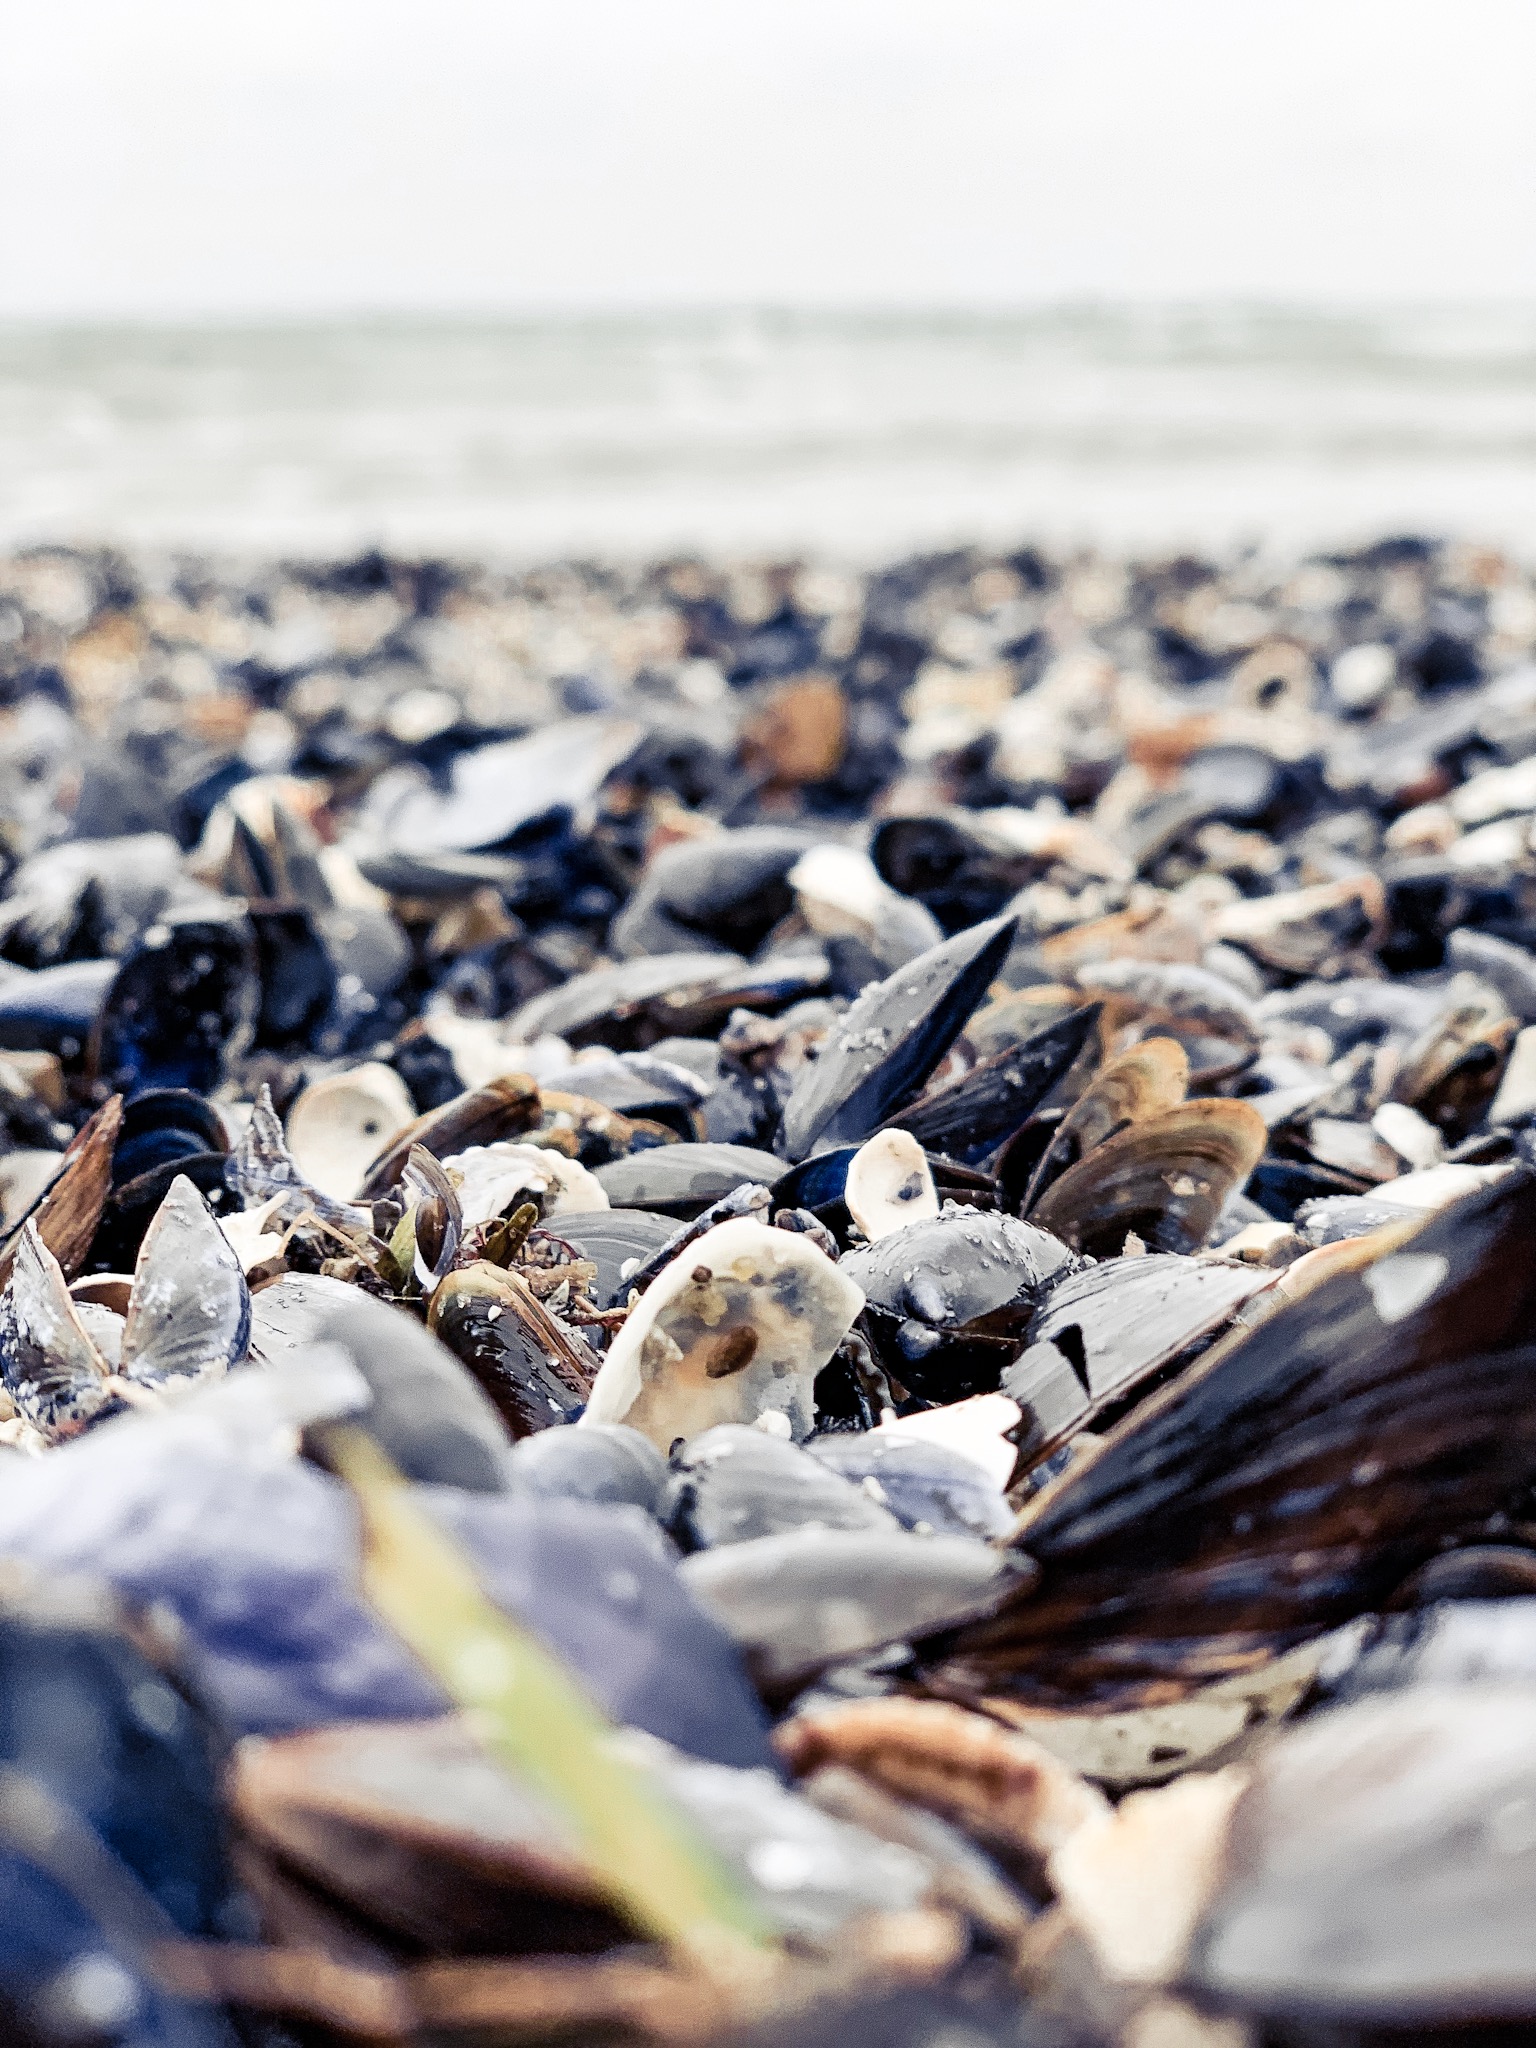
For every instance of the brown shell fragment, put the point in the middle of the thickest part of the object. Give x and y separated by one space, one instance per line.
995 1783
798 732
1303 931
67 1213
1165 1179
408 1823
1140 1082
504 1108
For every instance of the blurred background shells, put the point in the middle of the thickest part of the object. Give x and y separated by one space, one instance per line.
960 1197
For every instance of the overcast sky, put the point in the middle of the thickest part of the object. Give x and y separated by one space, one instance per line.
212 156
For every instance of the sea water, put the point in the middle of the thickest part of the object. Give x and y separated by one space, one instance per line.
850 434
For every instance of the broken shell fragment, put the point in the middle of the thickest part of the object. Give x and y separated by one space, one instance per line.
189 1315
889 1184
54 1369
736 1327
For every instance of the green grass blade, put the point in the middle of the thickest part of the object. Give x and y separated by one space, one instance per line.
532 1716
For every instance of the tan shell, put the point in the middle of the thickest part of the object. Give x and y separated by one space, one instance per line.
1166 1179
989 1779
1140 1082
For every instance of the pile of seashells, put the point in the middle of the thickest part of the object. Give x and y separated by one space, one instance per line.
766 1306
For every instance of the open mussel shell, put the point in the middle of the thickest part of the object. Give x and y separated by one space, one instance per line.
1380 1870
496 791
189 1316
949 1300
733 1483
967 1119
182 1007
1139 1083
535 1371
1102 1333
682 1179
879 1054
1295 1474
54 1368
641 1001
801 1601
927 1486
1165 1178
504 1108
54 1010
737 1326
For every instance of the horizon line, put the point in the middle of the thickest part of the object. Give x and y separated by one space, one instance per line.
620 311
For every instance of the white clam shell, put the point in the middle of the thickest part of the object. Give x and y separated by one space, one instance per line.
977 1428
492 1177
889 1185
341 1123
736 1327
